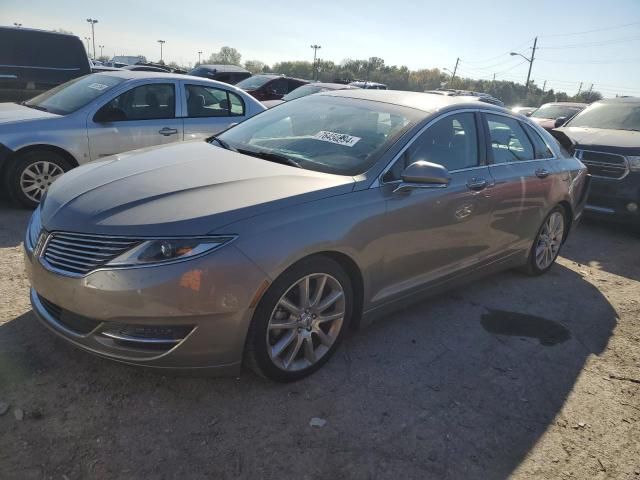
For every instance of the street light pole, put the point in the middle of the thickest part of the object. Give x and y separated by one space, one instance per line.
88 51
17 25
93 22
161 42
530 60
101 47
199 53
315 55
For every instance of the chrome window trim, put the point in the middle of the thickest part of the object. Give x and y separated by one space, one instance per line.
65 69
579 152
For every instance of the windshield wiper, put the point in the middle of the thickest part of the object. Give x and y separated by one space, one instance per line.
36 107
270 156
222 143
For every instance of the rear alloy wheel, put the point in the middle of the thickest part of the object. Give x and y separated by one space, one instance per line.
32 173
300 321
548 242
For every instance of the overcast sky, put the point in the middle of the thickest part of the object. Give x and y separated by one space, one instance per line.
419 34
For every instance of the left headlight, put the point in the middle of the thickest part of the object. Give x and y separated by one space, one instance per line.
33 230
634 164
167 250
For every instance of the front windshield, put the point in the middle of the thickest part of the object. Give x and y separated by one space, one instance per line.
556 111
75 94
615 116
338 135
303 92
252 83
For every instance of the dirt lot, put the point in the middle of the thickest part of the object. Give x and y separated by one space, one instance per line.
510 376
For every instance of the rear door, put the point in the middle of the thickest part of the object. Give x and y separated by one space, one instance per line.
522 176
209 110
145 115
435 232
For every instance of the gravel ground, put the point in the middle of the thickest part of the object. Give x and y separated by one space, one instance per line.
507 377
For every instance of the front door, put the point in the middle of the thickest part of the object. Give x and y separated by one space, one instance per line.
431 233
143 116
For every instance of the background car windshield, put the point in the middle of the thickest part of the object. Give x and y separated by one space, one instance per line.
555 111
616 116
303 92
254 82
336 135
71 96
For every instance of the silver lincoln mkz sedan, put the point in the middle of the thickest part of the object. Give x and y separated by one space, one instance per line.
262 245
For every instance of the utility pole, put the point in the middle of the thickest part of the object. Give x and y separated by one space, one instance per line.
161 42
544 86
589 94
199 53
530 60
315 55
579 89
455 69
93 22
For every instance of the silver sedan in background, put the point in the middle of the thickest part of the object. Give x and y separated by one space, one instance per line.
104 114
265 244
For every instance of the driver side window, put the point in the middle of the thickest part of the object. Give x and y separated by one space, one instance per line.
451 142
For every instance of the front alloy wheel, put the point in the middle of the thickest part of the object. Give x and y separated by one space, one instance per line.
300 320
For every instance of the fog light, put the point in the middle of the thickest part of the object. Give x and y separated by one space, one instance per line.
632 207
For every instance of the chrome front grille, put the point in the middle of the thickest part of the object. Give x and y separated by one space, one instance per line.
77 254
604 165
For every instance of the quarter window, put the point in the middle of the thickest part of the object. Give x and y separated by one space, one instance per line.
539 145
451 142
147 102
509 142
212 102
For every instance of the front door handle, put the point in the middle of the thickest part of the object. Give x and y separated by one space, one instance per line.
166 131
542 173
477 184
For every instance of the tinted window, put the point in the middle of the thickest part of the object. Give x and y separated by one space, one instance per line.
293 84
334 135
509 143
451 142
280 86
254 82
539 145
42 49
555 111
212 102
147 102
77 93
616 116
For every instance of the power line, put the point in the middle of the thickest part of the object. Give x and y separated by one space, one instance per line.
589 62
487 60
614 27
593 44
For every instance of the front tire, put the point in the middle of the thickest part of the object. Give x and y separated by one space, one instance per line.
547 244
300 321
31 174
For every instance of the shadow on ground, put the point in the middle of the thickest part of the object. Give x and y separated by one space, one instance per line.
430 392
14 224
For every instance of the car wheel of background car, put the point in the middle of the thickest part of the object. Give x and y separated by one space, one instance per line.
31 174
547 243
300 321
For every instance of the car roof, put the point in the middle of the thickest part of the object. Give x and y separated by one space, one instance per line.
620 100
426 102
277 75
567 104
332 86
138 74
222 68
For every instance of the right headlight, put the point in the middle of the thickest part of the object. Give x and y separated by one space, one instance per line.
168 250
634 164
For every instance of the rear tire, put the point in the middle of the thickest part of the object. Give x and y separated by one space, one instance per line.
313 323
30 174
547 244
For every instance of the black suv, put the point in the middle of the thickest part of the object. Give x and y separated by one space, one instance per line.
606 137
270 86
230 74
33 61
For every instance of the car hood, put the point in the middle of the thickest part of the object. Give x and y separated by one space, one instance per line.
614 141
191 188
546 123
13 113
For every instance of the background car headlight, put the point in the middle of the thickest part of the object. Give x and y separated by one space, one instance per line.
33 230
169 250
634 164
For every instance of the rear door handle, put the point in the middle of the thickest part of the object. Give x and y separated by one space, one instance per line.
542 173
166 131
477 184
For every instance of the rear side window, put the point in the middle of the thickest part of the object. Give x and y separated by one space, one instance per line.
539 145
212 102
147 102
509 142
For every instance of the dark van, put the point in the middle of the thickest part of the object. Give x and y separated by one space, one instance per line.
33 61
230 74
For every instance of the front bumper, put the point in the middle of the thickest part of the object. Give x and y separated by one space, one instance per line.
189 315
609 199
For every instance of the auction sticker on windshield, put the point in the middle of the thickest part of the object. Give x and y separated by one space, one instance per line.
98 86
337 138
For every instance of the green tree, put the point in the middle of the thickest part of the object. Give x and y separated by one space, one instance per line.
226 56
254 66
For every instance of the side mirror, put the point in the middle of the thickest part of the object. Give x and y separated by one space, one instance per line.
423 174
109 114
560 121
528 114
